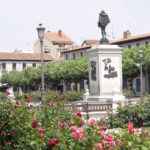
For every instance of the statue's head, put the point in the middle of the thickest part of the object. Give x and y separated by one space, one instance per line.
103 19
102 12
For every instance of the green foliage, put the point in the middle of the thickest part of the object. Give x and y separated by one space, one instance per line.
139 114
70 70
132 60
128 93
53 96
52 127
55 72
14 125
2 96
145 104
125 114
134 141
72 96
67 96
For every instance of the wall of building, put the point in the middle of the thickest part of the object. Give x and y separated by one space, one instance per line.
48 47
137 43
19 65
74 54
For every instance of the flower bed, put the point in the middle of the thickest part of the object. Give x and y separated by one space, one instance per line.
53 127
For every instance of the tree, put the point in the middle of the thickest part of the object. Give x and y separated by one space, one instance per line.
55 72
132 60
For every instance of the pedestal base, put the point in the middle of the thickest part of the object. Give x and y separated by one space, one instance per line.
106 99
100 99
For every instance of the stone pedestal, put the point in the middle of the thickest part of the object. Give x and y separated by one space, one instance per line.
105 73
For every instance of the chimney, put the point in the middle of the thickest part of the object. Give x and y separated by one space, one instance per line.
59 32
126 34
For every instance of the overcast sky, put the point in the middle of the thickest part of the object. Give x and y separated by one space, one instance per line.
77 18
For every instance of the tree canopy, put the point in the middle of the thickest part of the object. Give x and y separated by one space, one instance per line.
70 70
75 70
132 60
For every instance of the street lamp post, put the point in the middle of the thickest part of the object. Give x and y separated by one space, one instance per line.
41 31
141 72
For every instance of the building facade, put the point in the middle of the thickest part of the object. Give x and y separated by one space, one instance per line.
129 40
75 52
11 61
54 43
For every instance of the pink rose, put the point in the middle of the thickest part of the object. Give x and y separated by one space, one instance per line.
77 133
41 132
130 127
101 133
91 122
99 146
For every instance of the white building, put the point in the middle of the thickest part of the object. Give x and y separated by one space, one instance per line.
128 40
19 60
10 61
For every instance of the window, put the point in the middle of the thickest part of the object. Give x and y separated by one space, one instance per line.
66 56
34 65
137 44
129 46
14 66
74 56
3 66
146 43
81 54
24 65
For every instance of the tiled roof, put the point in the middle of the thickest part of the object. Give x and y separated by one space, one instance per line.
58 37
90 42
18 56
131 38
77 48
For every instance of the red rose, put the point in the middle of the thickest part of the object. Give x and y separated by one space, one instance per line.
29 99
109 139
53 142
78 114
34 123
13 133
61 125
18 104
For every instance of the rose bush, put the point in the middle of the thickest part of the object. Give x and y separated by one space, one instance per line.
52 127
138 113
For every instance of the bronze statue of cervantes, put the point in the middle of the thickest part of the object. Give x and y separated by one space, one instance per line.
102 23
